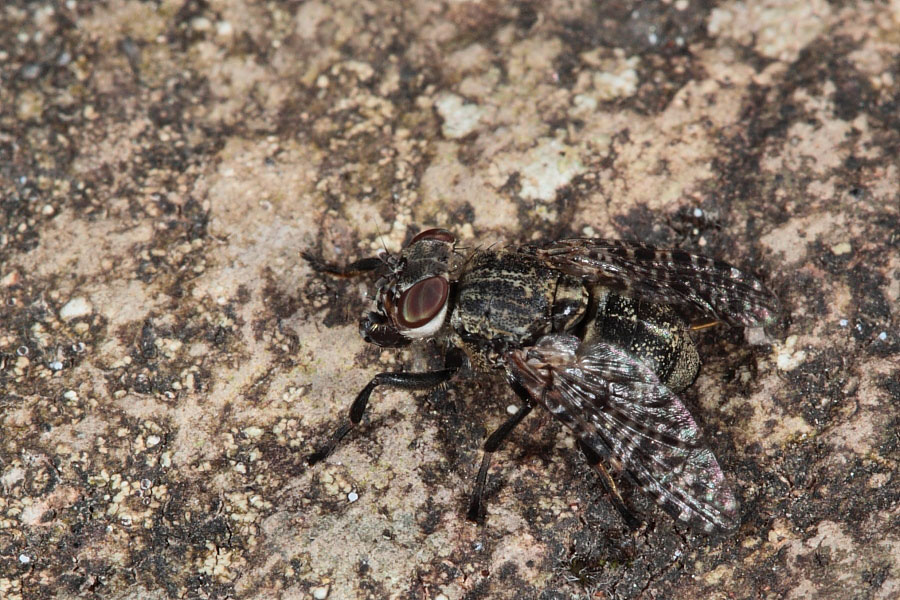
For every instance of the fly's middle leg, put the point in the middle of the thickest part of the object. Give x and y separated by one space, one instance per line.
476 503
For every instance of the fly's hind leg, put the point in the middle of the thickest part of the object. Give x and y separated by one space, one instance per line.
595 461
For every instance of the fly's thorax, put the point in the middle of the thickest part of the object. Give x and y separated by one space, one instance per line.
506 300
652 332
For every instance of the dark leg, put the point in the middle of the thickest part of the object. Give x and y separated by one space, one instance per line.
355 268
615 497
707 325
406 381
476 504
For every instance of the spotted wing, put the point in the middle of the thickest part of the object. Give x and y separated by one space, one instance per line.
618 407
709 287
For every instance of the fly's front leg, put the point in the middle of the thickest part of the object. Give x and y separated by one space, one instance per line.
406 381
363 265
476 503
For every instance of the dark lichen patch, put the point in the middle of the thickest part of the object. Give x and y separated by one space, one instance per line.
367 583
37 116
176 254
477 21
341 299
92 504
637 27
868 283
818 386
591 563
159 362
870 316
564 204
279 301
459 415
642 223
596 565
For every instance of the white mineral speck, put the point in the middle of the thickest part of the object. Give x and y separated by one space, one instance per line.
253 432
585 103
24 559
787 359
547 167
75 308
841 249
320 593
460 119
352 496
201 24
10 279
152 440
617 80
224 29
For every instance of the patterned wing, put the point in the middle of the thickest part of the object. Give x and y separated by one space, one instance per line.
711 287
618 407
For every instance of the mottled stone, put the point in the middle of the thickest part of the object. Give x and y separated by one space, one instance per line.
167 360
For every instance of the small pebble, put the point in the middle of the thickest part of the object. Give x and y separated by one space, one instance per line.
841 248
320 593
75 308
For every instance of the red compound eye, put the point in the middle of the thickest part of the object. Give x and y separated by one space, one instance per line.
423 302
441 235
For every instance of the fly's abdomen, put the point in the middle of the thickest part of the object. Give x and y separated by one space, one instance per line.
650 332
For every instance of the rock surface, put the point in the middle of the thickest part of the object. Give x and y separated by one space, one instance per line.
167 360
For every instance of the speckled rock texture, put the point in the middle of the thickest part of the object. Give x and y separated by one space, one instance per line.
167 359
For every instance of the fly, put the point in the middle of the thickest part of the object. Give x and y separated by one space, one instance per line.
596 331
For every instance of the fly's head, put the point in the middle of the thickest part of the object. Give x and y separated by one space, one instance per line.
412 296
